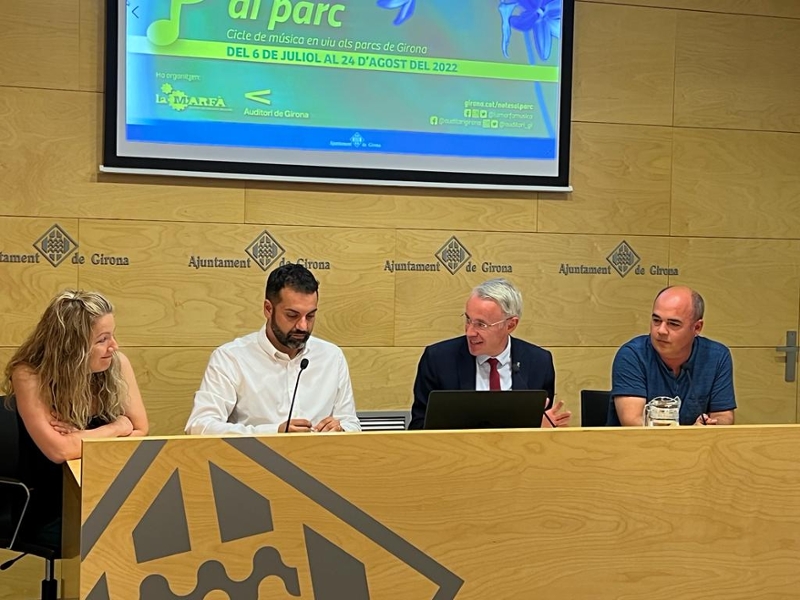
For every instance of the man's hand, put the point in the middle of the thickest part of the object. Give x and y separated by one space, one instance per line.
559 419
296 426
630 410
328 424
706 420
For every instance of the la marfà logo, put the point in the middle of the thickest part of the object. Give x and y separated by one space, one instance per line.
55 245
453 255
265 250
623 258
179 100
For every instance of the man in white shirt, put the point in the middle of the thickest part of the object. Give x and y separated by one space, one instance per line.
249 382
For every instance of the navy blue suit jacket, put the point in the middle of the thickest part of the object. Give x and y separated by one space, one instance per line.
448 365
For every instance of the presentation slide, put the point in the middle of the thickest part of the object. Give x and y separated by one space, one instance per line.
454 86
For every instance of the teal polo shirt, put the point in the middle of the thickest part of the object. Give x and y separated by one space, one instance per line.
704 382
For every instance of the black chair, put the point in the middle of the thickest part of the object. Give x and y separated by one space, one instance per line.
594 407
15 498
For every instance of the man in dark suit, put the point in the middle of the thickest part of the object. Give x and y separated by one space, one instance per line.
487 357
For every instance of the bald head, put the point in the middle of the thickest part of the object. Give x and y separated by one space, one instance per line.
676 321
684 295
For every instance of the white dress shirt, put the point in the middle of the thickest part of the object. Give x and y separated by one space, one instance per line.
248 386
503 368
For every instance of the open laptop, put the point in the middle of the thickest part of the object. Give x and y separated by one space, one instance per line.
468 409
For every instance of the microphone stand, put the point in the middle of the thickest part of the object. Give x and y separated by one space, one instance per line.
303 365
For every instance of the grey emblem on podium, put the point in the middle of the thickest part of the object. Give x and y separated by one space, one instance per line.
334 570
353 578
100 590
163 530
212 576
243 512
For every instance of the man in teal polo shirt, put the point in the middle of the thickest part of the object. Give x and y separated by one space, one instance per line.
674 360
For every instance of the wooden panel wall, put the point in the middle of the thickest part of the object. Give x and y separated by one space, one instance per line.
686 141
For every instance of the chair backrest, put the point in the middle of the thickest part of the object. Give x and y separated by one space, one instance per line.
384 420
9 442
10 486
594 407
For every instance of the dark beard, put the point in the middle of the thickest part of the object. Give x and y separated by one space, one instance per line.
286 339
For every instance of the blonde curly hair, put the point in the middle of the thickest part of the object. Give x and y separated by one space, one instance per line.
58 352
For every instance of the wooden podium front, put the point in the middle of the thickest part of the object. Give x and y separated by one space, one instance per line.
575 514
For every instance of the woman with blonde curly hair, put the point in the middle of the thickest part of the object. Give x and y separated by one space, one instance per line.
68 382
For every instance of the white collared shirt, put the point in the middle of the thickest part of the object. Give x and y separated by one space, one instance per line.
248 386
503 368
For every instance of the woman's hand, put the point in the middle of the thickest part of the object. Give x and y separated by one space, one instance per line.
124 426
62 427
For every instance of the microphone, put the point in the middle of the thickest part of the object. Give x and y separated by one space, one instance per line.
515 367
688 370
303 365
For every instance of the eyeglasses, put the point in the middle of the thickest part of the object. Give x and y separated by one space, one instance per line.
480 325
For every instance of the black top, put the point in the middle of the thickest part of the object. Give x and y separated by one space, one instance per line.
44 477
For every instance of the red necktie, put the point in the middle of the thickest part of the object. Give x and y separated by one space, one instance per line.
494 375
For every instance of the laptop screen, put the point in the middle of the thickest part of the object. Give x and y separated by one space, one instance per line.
469 409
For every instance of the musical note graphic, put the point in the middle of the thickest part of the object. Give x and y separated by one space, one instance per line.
166 31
